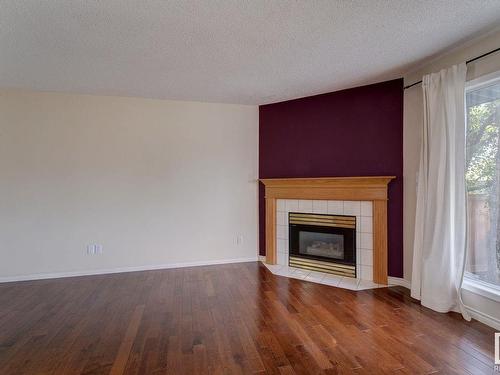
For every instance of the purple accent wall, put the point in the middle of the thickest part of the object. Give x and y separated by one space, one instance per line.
354 132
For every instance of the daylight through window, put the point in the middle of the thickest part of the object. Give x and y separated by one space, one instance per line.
483 176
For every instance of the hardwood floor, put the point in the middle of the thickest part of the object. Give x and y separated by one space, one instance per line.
228 319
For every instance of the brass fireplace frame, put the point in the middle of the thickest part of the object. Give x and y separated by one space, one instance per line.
310 220
339 221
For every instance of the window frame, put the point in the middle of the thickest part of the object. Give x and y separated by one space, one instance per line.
488 290
471 284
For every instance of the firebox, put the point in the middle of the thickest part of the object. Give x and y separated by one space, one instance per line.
324 243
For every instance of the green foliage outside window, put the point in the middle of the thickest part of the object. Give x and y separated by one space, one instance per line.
482 147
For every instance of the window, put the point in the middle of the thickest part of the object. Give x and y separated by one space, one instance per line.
483 179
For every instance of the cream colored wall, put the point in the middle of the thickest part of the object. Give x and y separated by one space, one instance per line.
412 123
155 182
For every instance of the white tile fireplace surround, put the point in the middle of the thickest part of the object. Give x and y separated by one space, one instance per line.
364 241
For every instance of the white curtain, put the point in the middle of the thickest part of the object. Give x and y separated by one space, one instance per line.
440 229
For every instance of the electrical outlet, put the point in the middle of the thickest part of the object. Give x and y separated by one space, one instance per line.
90 249
94 249
239 239
98 249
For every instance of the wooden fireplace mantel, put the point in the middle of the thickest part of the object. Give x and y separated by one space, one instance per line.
333 188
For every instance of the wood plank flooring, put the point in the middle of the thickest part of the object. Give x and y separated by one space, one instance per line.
228 319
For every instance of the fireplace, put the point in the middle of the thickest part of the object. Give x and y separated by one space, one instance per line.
367 190
324 243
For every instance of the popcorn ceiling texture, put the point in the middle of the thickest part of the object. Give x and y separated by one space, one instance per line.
248 52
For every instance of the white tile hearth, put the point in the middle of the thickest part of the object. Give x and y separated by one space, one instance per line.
333 280
300 273
322 278
349 283
315 276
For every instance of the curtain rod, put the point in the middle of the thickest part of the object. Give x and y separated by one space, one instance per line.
467 62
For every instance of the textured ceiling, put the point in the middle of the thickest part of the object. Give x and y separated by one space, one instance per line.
251 52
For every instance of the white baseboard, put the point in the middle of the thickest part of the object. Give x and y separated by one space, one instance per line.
399 281
56 275
484 318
